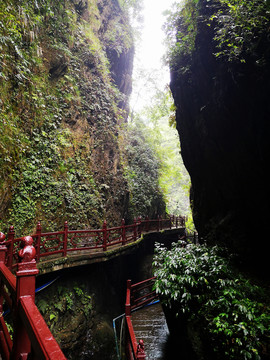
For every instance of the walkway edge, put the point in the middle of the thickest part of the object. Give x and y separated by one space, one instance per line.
71 261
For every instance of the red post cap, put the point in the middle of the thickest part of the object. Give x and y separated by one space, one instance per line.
2 237
28 252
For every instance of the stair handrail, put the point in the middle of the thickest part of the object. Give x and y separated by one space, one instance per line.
135 349
31 333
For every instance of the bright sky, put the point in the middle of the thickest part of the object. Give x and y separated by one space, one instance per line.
147 62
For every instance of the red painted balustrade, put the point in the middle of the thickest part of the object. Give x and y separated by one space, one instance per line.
68 241
32 338
137 295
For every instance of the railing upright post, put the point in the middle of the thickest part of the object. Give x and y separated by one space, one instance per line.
11 236
105 235
2 238
123 232
135 229
25 286
158 223
38 232
3 251
65 238
176 222
128 299
139 226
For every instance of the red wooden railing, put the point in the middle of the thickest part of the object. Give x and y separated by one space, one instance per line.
137 295
68 241
32 337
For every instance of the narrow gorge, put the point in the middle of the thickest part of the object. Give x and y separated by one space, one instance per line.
72 152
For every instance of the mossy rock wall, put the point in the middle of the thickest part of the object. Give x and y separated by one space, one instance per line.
65 78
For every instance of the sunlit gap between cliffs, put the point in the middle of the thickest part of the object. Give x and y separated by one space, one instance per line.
151 105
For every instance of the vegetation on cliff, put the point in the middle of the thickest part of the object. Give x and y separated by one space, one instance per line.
65 80
231 313
240 28
220 65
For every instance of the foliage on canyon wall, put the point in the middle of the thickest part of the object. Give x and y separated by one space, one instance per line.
219 58
239 27
72 312
158 118
231 314
65 80
142 173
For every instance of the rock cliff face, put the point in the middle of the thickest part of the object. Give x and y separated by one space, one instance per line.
223 120
65 79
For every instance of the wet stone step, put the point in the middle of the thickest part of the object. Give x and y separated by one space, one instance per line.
150 325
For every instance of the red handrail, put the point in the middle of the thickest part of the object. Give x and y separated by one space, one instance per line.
136 295
32 336
67 241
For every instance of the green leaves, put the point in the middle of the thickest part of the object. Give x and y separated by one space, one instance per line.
142 171
239 26
239 29
201 283
181 30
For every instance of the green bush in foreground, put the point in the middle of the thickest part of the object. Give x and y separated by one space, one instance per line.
206 288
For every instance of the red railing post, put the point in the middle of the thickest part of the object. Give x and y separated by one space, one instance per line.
128 299
11 236
105 235
135 229
65 238
25 286
2 237
139 226
123 228
3 251
38 232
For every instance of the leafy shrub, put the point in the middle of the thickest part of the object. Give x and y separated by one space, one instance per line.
200 280
239 27
142 173
181 30
67 300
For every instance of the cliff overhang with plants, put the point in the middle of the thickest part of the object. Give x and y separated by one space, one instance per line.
220 64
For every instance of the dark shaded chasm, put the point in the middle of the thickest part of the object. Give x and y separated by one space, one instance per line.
223 120
80 305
